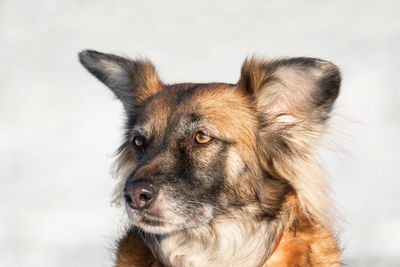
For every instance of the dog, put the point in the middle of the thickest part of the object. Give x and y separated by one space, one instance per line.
219 174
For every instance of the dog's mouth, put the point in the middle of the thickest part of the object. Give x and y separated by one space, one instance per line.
152 220
165 220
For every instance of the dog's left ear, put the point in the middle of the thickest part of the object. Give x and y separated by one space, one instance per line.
292 86
132 81
293 98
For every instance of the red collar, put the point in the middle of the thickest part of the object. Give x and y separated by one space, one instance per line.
276 247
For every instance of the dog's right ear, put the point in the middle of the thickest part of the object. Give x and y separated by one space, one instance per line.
293 98
132 81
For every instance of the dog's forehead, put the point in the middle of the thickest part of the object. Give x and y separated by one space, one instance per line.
220 108
189 102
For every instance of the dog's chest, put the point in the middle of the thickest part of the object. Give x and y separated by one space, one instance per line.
224 246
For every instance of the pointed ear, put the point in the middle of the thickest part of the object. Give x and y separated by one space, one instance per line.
132 82
298 88
293 98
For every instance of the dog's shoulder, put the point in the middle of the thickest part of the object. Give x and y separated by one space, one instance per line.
309 244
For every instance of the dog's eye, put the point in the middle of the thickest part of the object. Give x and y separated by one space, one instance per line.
202 138
138 141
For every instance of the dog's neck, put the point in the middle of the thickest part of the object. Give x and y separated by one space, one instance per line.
227 241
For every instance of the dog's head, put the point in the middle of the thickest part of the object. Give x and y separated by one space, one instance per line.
193 152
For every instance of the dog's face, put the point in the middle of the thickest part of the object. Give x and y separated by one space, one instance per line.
185 145
193 152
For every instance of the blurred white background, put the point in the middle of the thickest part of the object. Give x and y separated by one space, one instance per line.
59 126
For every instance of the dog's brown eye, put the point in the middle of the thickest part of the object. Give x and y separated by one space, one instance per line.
138 141
202 138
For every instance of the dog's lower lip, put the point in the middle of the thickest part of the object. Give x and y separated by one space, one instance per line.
151 216
153 219
152 222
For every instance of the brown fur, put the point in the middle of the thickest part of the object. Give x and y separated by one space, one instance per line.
133 252
310 244
268 126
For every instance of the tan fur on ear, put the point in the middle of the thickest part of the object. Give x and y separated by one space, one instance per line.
252 75
146 79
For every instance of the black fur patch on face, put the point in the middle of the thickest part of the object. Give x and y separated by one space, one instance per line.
199 182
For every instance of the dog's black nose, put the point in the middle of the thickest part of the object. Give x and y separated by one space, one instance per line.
139 194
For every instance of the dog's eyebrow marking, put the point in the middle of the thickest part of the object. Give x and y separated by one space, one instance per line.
195 117
195 122
200 125
187 124
141 129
